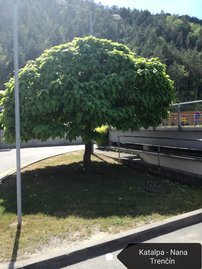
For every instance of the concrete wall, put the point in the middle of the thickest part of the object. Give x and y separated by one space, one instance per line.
151 136
38 143
189 165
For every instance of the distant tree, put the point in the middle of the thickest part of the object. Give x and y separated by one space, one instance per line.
178 73
192 60
199 41
3 64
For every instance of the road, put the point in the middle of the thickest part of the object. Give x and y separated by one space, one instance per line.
30 155
191 234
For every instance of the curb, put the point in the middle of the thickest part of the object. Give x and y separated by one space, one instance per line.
12 171
116 242
6 174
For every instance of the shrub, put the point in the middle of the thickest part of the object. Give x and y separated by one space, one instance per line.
102 136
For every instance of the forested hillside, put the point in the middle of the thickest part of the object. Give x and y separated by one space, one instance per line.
176 40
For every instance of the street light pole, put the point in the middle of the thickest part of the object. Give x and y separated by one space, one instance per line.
92 22
17 113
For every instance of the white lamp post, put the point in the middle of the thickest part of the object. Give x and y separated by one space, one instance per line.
116 17
17 113
91 22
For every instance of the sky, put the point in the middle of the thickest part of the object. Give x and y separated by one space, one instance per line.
179 7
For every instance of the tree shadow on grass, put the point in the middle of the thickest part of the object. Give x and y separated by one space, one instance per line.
100 157
111 190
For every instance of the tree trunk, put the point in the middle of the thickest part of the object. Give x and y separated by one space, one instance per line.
87 156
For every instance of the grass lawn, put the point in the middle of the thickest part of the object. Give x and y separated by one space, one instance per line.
61 203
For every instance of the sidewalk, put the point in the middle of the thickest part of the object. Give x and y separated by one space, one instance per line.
117 155
190 234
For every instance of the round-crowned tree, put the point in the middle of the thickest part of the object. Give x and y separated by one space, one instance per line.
73 88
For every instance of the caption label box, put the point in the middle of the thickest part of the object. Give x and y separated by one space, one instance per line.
161 256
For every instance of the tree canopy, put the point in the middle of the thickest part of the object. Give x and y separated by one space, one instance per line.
75 87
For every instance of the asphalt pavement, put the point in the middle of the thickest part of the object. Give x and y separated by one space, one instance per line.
29 156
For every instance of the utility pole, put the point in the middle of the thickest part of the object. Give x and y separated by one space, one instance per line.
17 113
92 21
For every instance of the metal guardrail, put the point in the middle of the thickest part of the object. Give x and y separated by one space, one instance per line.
193 117
158 144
